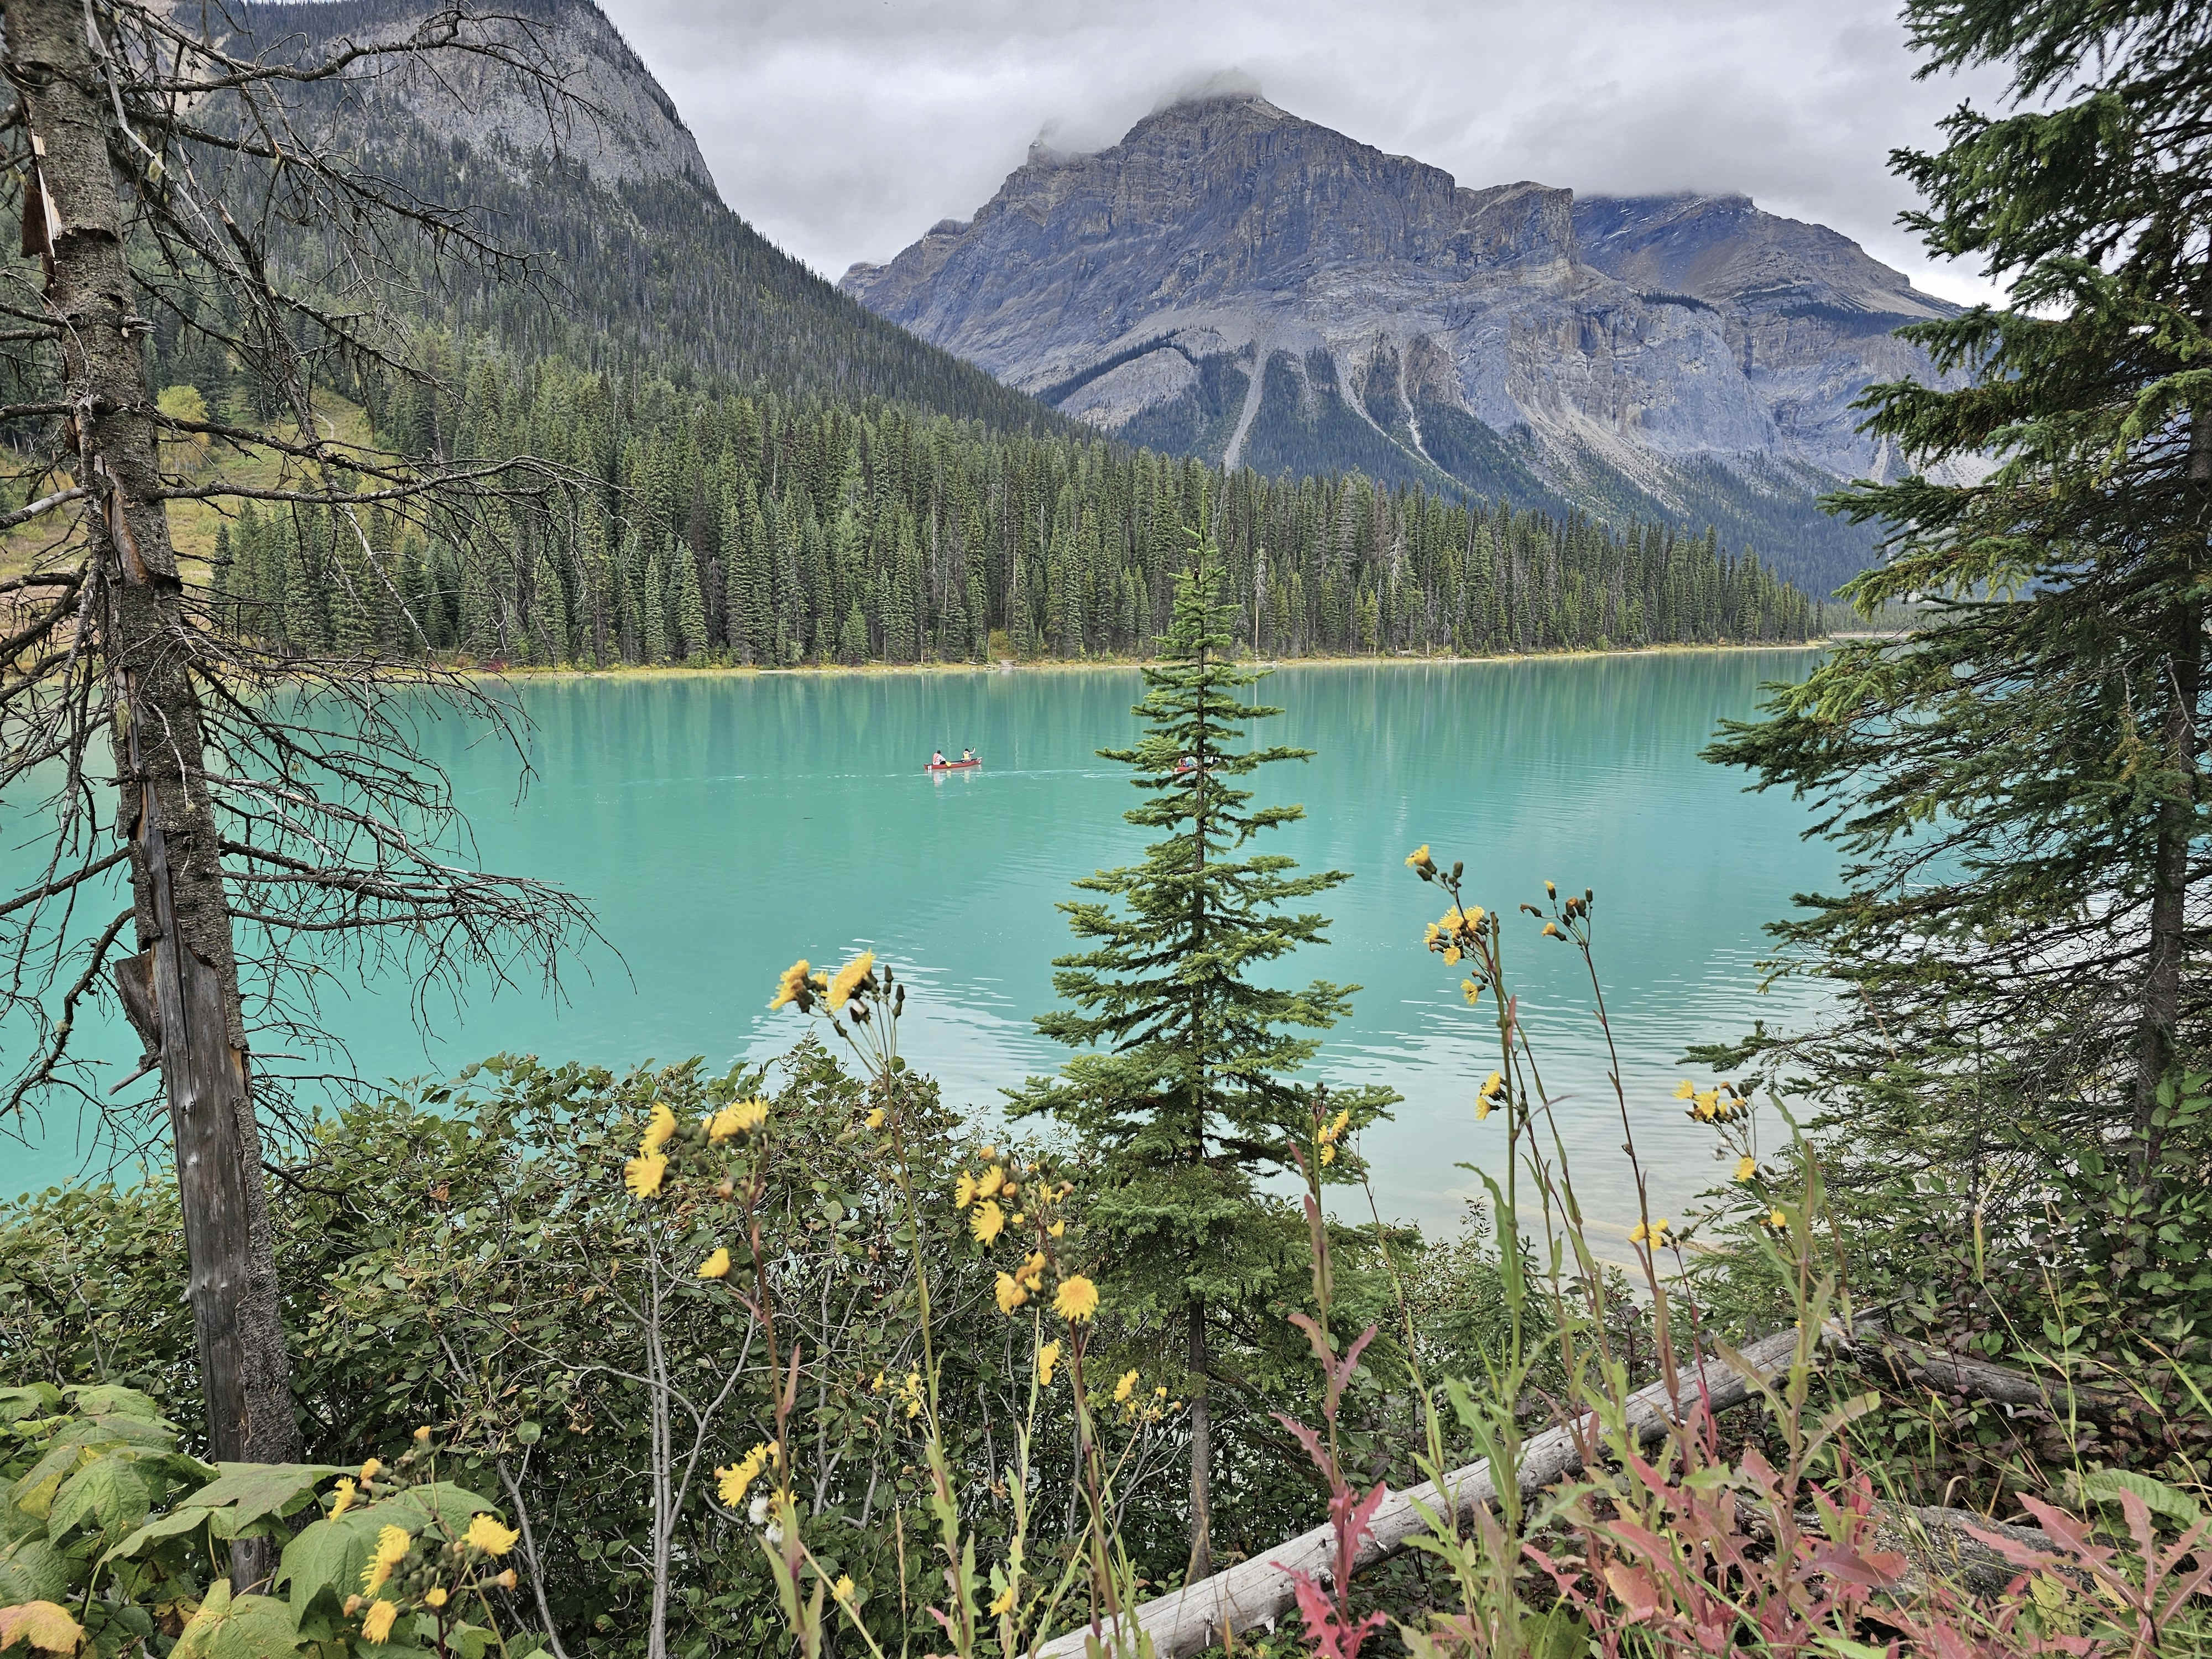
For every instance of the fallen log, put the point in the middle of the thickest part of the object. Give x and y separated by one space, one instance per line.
1260 1590
1970 1377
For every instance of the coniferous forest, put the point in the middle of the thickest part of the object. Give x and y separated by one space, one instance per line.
771 530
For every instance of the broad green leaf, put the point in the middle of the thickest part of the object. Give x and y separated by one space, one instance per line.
439 1502
110 1489
254 1491
106 1397
229 1627
2105 1485
41 1625
39 1399
327 1556
160 1527
32 1570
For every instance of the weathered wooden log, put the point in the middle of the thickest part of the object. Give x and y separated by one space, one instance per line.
1259 1591
1968 1376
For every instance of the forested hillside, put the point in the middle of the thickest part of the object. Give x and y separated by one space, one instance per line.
639 261
760 529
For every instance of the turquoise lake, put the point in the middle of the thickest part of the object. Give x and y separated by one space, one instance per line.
724 824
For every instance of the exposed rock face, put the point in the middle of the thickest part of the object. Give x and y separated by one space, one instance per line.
1231 281
619 124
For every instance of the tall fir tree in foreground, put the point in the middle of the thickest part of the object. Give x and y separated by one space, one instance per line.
1186 1087
2019 784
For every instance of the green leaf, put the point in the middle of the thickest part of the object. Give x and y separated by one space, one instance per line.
327 1557
160 1527
2105 1485
108 1398
254 1491
32 1570
439 1504
239 1627
110 1489
39 1399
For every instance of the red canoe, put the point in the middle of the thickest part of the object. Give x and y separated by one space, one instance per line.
952 766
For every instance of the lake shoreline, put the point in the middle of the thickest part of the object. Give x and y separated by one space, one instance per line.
1062 665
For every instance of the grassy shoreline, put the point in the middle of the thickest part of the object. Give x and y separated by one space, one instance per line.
1062 664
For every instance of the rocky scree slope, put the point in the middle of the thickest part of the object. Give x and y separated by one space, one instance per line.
1233 282
646 267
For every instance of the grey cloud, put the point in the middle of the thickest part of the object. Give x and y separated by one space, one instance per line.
845 128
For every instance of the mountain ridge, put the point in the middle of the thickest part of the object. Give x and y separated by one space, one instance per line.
1233 281
648 266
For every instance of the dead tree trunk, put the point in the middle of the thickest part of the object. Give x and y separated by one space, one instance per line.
183 985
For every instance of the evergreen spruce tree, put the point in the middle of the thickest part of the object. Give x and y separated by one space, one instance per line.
1186 1088
852 642
655 608
691 629
2018 786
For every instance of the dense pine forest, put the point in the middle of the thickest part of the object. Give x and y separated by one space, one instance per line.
774 531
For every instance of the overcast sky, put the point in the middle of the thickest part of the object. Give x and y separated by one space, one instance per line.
843 129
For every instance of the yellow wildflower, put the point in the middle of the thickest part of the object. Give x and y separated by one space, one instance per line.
506 1580
422 1435
1057 1229
1077 1299
642 1174
729 1483
994 1178
848 979
1746 1167
911 1393
1127 1385
1491 1092
986 1222
1031 1272
1472 991
963 1191
990 1154
1328 1155
370 1470
842 1590
1552 931
377 1627
1002 1603
788 987
1655 1235
392 1544
486 1534
1418 857
660 1130
1019 1218
1047 1357
435 1596
876 1118
716 1266
1776 1220
1685 1090
738 1118
342 1496
1010 1293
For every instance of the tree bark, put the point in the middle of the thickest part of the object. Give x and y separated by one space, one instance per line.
2159 1019
1201 1453
146 644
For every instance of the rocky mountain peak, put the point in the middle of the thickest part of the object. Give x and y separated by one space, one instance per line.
1234 280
